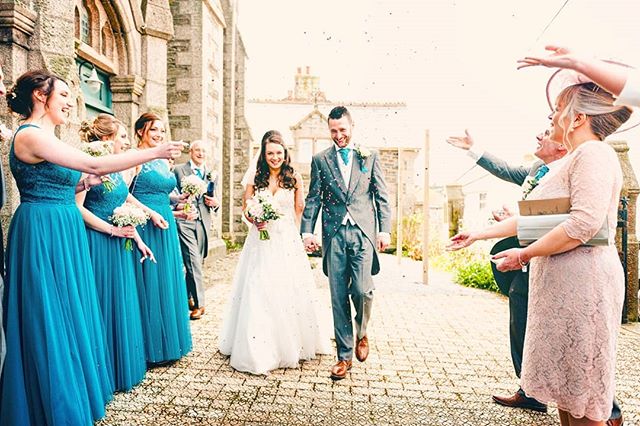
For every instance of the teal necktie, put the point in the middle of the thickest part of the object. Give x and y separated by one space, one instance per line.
541 172
199 173
344 153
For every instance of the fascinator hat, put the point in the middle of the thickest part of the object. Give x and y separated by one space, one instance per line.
563 78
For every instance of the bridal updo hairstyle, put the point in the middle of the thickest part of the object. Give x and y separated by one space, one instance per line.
286 177
103 126
597 104
20 97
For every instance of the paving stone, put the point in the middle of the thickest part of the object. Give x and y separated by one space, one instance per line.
436 361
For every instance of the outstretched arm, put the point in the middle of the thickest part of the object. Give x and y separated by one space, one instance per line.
606 75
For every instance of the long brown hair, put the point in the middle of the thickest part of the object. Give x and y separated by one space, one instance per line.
286 178
143 124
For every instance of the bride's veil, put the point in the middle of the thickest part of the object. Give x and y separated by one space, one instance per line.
250 174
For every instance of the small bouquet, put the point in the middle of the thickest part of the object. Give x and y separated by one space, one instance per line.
128 214
263 208
194 187
100 149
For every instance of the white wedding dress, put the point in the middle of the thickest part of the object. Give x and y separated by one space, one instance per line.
272 319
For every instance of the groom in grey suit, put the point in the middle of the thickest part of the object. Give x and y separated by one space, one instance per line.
194 234
347 185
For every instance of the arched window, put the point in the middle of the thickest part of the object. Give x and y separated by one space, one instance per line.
76 23
85 25
107 44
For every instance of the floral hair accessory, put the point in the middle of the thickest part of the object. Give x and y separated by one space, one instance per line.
12 95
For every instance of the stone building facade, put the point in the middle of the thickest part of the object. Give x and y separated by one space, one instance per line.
165 56
301 116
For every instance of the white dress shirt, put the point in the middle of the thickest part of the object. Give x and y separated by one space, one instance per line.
194 168
630 94
345 171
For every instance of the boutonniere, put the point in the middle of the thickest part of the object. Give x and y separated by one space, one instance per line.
529 183
363 154
208 177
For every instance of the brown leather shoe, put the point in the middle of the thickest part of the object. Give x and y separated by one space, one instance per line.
362 349
339 371
518 400
615 422
202 311
196 313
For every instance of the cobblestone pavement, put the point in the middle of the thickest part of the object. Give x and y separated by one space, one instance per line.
438 353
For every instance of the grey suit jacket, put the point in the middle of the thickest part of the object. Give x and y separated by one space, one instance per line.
501 169
204 211
366 199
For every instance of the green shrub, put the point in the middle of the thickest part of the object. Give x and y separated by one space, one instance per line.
476 274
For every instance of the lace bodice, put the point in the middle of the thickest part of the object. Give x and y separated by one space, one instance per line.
43 182
101 202
154 183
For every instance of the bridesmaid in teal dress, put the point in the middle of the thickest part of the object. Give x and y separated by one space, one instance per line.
55 370
161 286
113 266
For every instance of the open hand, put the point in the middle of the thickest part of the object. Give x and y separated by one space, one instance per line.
460 241
561 57
463 142
502 214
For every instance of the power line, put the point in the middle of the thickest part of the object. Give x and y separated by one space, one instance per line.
551 22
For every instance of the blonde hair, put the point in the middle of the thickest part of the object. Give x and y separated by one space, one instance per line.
103 126
589 99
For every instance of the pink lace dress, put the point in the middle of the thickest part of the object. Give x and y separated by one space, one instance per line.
576 297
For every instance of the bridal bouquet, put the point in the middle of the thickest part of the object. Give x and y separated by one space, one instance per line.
263 208
100 149
194 187
128 214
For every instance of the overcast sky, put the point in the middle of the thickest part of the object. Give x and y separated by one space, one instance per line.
452 62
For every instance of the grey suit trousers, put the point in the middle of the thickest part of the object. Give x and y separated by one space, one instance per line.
192 245
350 256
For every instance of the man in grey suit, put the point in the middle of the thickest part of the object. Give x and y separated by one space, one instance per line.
194 234
347 185
515 284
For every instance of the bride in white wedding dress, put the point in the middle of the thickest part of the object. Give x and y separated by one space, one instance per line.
272 320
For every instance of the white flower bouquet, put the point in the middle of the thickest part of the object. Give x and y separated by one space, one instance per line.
128 214
100 149
194 187
263 208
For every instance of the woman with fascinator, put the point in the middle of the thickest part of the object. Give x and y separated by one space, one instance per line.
271 318
621 81
576 291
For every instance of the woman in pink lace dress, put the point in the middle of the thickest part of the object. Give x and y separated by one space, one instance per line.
576 292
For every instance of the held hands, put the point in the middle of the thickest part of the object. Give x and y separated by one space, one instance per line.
260 225
462 142
461 240
311 244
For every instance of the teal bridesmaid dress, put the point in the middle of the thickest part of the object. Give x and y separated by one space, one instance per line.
55 370
161 286
115 275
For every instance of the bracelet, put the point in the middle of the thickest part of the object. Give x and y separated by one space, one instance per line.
111 231
86 186
523 265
